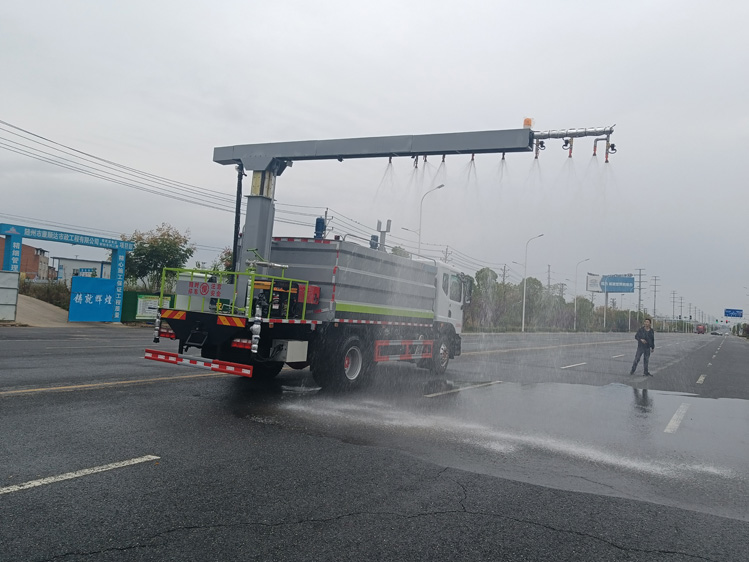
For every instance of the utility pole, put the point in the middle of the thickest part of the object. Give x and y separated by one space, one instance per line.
639 297
237 213
690 318
504 287
655 293
447 253
681 309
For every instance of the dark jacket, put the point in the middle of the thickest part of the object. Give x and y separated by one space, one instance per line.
648 335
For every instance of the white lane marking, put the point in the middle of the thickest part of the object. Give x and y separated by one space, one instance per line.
709 364
713 356
76 474
575 365
539 348
461 389
108 384
95 347
615 356
701 379
673 425
76 339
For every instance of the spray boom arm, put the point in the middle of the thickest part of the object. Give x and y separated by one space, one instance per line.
572 133
604 134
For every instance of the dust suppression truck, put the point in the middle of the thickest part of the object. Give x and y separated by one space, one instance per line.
334 305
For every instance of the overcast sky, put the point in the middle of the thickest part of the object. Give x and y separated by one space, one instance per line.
155 86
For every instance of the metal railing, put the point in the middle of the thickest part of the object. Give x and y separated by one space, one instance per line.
223 292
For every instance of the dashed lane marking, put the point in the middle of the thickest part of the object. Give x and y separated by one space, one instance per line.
454 390
575 365
701 379
616 356
673 425
76 474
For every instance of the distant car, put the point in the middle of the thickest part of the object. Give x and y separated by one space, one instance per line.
700 329
715 333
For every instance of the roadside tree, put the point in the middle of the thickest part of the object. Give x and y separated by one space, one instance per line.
483 302
154 250
398 251
223 261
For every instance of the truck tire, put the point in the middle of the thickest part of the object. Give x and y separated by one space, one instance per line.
440 355
345 368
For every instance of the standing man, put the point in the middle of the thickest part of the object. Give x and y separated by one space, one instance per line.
645 337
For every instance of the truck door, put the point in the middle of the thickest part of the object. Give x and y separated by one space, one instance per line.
449 306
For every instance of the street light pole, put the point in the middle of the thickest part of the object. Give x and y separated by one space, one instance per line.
421 205
525 278
574 328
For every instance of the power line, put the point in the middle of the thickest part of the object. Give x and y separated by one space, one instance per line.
151 190
128 168
57 160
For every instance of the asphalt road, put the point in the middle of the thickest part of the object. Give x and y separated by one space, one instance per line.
535 447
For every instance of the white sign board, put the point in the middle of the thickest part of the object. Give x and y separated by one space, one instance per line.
8 295
148 307
593 283
205 290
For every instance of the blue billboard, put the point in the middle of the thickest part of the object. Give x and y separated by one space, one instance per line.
610 283
65 237
734 313
617 284
93 300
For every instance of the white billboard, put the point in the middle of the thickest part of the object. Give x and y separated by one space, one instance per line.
593 283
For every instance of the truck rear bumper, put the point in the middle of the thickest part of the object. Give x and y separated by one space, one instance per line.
211 364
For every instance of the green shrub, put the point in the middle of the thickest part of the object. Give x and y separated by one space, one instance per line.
53 292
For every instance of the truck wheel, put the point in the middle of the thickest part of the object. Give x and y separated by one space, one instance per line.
346 367
440 355
266 371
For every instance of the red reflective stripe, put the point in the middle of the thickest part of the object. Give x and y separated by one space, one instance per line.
380 322
231 321
214 365
164 356
232 368
410 345
174 314
314 240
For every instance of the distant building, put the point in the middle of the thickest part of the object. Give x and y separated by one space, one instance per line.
67 268
34 261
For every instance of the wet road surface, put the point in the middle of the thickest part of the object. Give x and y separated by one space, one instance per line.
488 463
